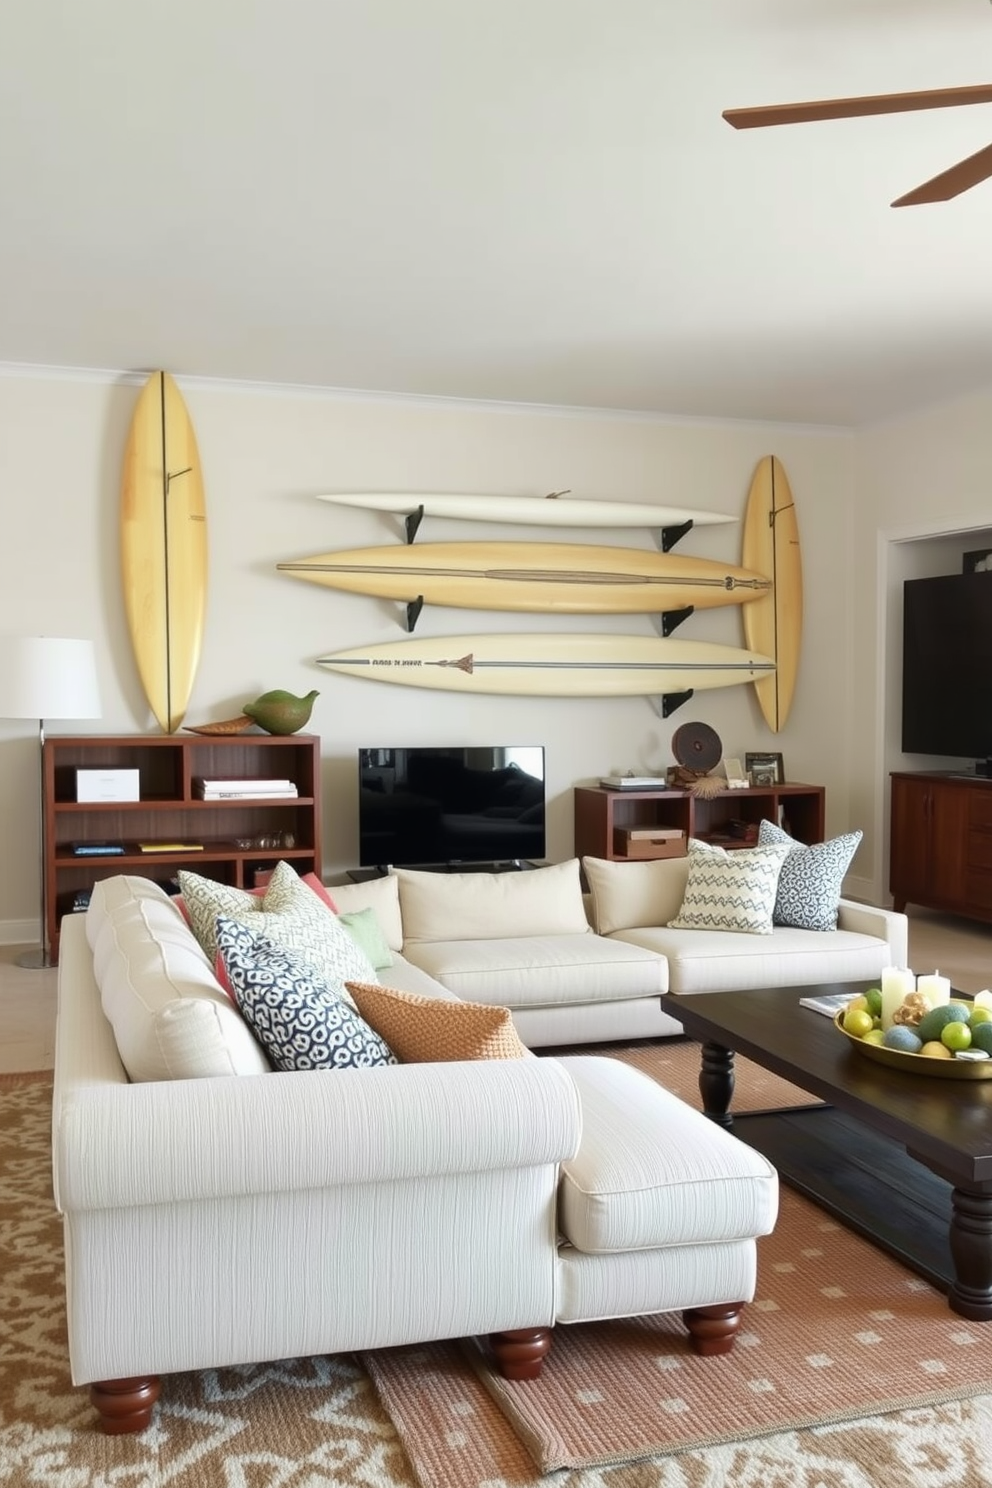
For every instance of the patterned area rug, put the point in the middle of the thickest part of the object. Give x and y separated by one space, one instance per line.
318 1423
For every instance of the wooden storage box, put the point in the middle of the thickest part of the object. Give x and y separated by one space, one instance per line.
648 842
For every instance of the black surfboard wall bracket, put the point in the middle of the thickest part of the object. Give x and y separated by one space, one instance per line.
412 524
672 619
666 704
413 610
672 535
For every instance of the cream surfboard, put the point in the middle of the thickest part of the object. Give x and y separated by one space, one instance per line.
538 511
773 625
551 665
564 578
164 548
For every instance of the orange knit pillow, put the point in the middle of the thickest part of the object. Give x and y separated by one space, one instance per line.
427 1030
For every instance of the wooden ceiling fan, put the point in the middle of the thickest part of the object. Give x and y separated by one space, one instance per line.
951 182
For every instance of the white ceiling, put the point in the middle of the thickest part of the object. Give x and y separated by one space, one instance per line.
524 200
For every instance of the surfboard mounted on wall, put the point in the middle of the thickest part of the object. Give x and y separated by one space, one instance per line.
164 548
773 624
562 578
558 509
552 665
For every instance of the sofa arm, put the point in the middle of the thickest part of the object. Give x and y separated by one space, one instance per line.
175 1141
887 924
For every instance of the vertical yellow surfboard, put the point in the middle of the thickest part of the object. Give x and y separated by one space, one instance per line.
164 548
773 623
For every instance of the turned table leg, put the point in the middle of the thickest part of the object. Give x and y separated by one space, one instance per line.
125 1404
716 1083
712 1330
520 1352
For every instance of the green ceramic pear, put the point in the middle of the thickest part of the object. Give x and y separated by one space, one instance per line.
280 712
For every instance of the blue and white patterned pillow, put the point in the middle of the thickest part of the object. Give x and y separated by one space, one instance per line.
295 1015
809 886
730 890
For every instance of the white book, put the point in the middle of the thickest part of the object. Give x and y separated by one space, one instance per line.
247 785
829 1003
236 795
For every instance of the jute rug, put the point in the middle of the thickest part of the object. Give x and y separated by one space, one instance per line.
318 1422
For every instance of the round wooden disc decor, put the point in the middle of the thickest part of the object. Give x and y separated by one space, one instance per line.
697 747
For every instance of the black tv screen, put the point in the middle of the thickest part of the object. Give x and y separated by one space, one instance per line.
429 806
947 666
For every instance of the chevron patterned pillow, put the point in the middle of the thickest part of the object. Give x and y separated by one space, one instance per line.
730 890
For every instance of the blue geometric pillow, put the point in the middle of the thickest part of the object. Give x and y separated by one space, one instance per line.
809 885
297 1018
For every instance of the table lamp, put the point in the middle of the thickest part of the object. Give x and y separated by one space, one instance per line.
46 677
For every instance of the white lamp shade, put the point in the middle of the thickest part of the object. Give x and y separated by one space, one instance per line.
47 677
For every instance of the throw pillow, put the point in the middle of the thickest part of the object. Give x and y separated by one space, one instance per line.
626 896
492 906
809 886
363 927
289 913
429 1030
730 890
296 1017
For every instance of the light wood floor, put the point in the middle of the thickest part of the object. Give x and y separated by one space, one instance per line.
960 949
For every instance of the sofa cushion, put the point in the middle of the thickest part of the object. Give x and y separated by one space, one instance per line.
363 927
542 970
380 894
651 1171
812 876
721 961
429 1030
627 894
171 1019
290 914
488 906
297 1018
730 890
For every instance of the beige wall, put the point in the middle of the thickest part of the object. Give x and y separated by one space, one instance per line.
924 488
267 452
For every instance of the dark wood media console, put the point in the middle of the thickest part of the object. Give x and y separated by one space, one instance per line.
941 843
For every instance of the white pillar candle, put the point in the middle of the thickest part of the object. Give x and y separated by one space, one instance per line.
936 989
896 982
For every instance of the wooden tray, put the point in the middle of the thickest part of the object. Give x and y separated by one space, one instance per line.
919 1064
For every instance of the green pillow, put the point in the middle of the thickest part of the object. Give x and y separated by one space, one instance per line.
363 927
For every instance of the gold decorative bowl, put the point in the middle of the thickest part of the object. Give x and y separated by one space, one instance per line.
919 1064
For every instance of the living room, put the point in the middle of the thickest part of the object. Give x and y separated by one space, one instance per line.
879 407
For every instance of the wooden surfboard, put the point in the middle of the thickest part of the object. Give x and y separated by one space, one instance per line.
551 665
564 578
164 548
773 625
538 511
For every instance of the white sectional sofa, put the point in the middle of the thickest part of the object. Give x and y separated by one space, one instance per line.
219 1213
580 968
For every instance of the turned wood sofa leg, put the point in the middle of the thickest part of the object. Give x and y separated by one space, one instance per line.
712 1330
520 1352
125 1404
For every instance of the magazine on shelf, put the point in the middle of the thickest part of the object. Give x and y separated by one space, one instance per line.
248 785
829 1003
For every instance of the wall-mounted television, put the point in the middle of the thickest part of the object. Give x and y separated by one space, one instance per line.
947 666
430 806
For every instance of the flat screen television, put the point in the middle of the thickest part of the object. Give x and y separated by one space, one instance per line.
947 666
430 806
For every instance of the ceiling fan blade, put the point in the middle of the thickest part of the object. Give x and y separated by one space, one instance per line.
856 108
952 182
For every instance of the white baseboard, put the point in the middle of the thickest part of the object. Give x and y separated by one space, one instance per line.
19 932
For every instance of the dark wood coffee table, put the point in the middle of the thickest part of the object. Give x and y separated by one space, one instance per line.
905 1159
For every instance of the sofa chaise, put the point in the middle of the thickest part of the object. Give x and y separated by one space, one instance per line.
219 1213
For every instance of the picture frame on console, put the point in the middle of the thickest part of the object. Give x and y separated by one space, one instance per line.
765 769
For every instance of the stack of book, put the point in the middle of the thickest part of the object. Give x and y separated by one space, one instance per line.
241 790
